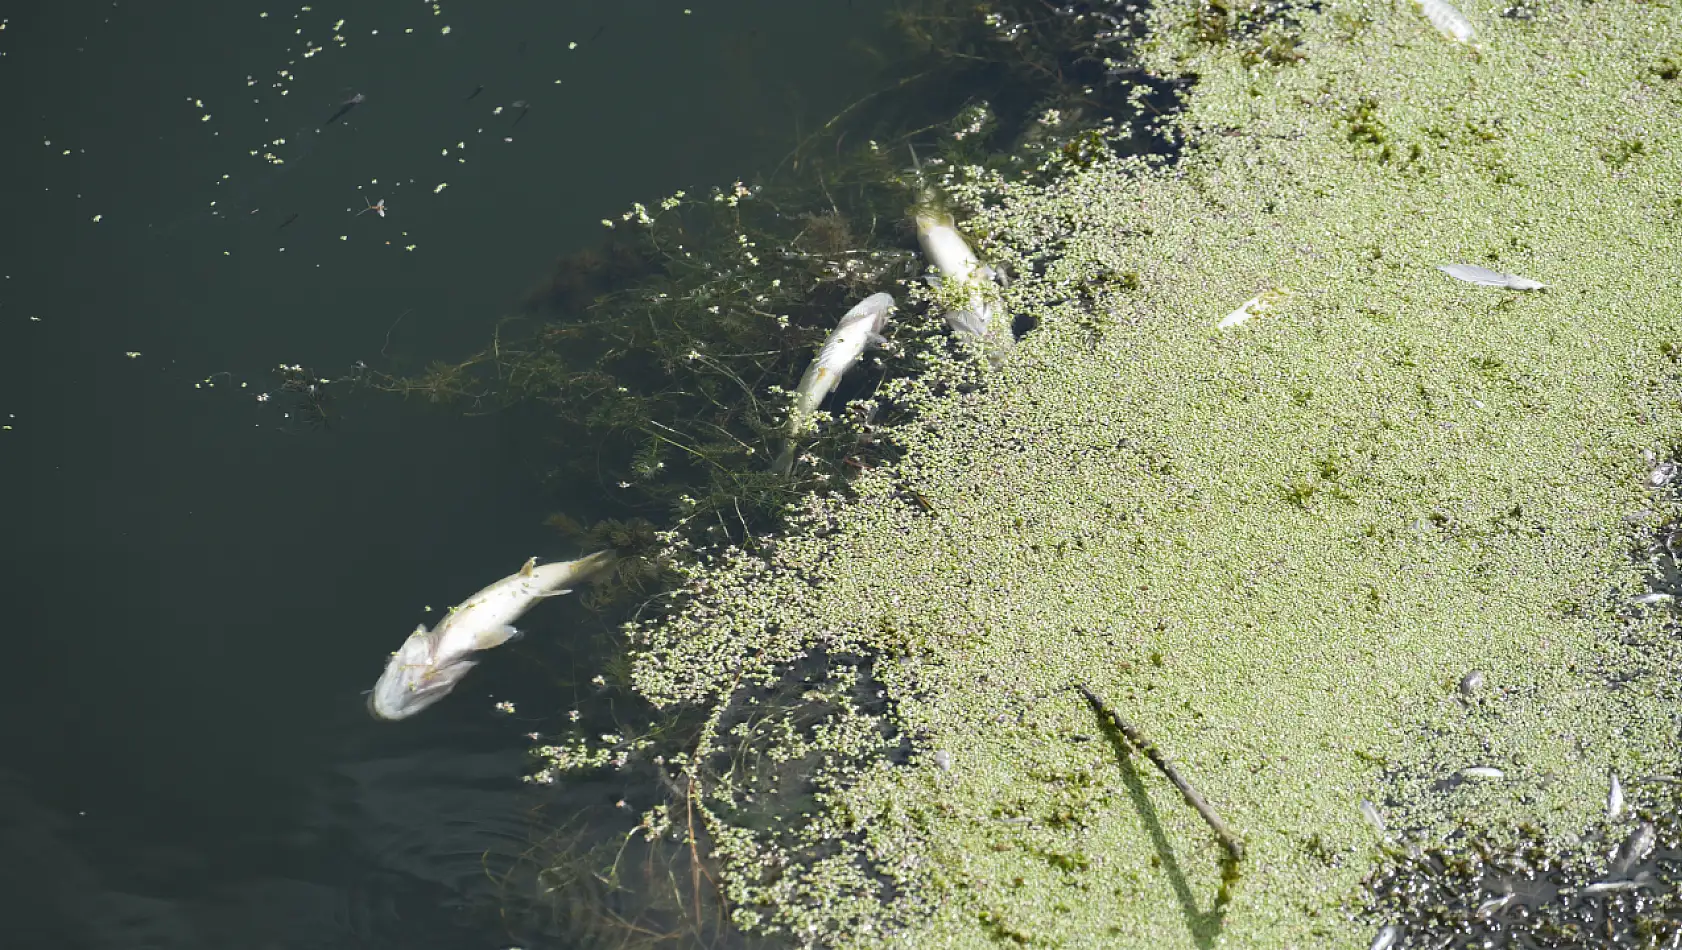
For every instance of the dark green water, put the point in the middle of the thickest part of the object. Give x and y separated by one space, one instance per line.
199 590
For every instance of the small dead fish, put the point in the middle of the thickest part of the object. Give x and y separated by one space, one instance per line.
344 107
860 327
1607 887
1448 20
1471 683
1484 277
1615 799
1369 811
1261 304
1493 906
1649 600
1483 773
943 760
1661 475
1634 850
1388 938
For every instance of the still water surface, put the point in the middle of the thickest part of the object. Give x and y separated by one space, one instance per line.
200 589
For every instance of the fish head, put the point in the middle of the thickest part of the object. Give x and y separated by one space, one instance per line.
413 680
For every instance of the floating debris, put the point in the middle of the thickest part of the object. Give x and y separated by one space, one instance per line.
1261 304
943 760
1484 277
1448 20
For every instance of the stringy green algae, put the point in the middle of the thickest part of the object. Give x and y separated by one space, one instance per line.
1277 548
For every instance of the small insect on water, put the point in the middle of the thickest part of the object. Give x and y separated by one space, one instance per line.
377 207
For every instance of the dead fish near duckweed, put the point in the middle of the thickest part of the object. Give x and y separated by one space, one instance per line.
860 327
1484 277
1261 304
430 663
1388 938
1615 799
1634 849
982 318
1449 21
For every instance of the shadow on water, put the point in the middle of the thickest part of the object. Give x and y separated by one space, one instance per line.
1204 925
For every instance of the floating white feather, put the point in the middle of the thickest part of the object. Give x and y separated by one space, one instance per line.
1484 277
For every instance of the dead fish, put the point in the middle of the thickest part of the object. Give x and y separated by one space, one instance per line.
1615 799
1448 20
943 760
981 318
1493 906
1634 850
1483 773
1661 475
1369 811
860 327
344 107
1388 938
430 663
1261 304
1484 277
1471 683
1649 600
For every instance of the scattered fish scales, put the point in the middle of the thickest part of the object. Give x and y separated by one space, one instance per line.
1448 20
1484 277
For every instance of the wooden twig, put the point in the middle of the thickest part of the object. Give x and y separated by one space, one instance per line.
1228 839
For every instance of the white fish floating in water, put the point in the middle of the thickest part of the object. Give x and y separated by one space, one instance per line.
981 318
1387 938
1261 304
859 327
430 663
1483 773
1449 21
1615 799
1634 850
1484 277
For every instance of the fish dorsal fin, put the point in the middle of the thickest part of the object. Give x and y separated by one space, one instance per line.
530 566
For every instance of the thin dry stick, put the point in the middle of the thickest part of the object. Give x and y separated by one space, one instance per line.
1228 840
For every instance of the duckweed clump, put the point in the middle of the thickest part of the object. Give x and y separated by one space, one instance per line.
1116 506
